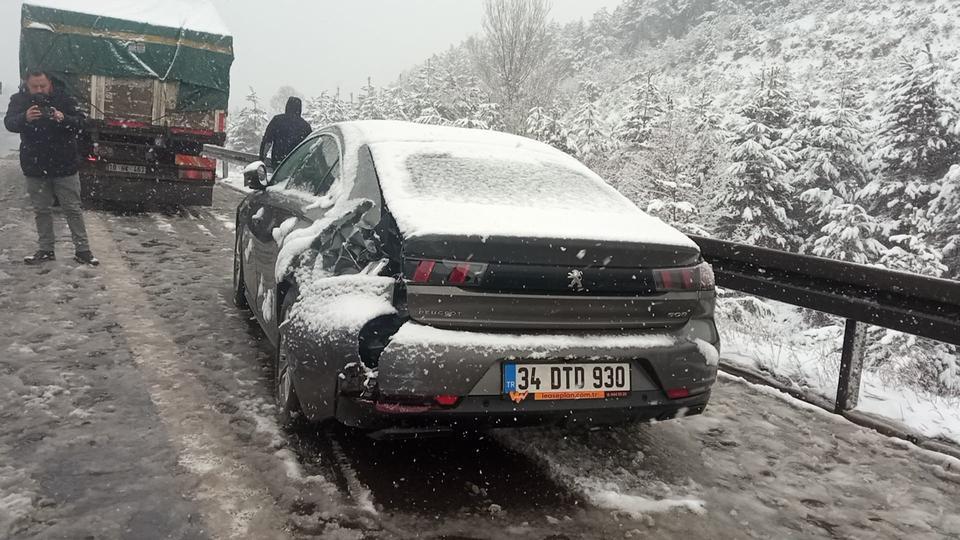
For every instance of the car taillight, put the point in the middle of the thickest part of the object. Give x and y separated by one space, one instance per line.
692 278
446 400
707 279
430 272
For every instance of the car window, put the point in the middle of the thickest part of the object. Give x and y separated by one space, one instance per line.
319 169
294 162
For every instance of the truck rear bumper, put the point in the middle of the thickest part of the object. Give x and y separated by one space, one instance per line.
97 186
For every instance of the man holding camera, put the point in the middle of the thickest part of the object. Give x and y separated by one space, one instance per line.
48 123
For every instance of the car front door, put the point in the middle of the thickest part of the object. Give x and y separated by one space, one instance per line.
290 202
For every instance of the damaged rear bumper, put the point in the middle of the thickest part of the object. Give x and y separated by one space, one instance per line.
423 364
482 412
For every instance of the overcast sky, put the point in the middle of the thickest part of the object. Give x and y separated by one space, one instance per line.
319 45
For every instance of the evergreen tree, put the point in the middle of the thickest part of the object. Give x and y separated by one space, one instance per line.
917 144
944 213
917 136
317 110
832 169
370 106
246 130
646 105
914 252
847 233
590 134
756 203
546 126
669 174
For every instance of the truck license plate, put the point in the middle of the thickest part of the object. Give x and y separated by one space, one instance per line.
127 169
566 381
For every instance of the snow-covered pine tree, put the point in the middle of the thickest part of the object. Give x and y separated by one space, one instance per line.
247 127
756 204
917 135
833 168
944 212
846 233
369 105
917 145
317 110
546 126
431 115
668 174
589 132
646 105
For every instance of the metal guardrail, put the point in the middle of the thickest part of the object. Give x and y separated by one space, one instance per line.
914 304
225 154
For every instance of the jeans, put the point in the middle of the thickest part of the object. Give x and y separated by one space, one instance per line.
67 191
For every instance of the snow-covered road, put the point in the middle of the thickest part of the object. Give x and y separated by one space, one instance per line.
135 403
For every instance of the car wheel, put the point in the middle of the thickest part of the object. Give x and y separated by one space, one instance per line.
288 406
239 290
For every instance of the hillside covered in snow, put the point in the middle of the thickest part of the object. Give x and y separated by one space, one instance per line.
827 128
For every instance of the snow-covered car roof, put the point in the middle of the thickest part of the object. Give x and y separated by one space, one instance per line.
456 181
196 15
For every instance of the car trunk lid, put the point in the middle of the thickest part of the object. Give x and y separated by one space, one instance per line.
515 283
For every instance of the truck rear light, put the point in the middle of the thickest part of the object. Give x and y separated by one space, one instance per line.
191 131
430 272
191 174
677 393
127 123
197 162
693 278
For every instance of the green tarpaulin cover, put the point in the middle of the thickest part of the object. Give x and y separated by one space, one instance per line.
69 44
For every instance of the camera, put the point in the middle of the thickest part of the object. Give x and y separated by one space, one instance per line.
43 102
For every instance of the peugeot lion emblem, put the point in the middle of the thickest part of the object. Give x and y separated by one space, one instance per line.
576 280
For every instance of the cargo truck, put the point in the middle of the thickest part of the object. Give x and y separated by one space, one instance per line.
153 78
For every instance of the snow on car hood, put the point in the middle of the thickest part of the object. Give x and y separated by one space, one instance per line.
496 187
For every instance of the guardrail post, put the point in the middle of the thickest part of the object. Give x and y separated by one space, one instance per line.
851 366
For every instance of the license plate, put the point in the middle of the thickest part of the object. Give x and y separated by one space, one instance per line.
128 169
565 381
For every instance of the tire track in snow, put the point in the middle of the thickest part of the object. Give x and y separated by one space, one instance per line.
234 502
360 494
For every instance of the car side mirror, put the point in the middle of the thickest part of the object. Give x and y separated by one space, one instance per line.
255 176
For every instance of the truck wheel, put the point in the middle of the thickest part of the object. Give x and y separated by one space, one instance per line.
288 406
239 290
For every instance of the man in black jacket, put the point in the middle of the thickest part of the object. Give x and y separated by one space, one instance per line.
48 123
284 132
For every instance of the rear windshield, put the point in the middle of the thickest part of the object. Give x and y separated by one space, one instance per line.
526 181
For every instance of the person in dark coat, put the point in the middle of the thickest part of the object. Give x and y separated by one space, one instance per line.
48 123
284 132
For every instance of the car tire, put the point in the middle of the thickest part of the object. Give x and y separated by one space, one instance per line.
239 289
285 395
